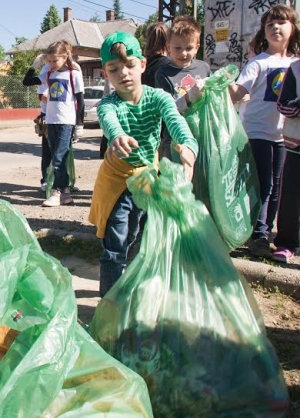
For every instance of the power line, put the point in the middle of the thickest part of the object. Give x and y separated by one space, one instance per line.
144 4
105 7
7 30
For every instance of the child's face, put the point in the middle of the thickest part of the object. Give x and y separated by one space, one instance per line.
56 62
125 76
278 31
183 50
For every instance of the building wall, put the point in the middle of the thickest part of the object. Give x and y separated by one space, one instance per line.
230 25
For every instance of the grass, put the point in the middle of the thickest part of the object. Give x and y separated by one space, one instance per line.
60 247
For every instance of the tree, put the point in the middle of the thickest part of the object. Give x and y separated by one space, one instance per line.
2 52
19 41
117 9
141 30
95 18
51 19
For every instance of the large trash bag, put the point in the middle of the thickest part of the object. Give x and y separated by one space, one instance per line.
49 365
225 177
70 165
183 318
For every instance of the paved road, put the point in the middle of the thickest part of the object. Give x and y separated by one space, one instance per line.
21 147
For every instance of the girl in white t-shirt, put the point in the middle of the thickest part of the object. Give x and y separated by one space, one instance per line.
276 45
64 111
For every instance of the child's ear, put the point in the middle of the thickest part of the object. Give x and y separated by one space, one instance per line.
143 64
103 73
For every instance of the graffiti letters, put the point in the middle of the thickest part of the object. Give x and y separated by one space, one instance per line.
260 6
210 45
235 49
222 9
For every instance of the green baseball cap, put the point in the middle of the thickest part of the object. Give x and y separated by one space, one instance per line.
132 45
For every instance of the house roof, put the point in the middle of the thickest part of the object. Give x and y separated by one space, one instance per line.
80 33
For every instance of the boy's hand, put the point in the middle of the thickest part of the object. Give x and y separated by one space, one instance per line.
187 158
121 147
196 91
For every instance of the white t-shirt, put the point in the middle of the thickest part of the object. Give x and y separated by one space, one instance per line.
262 78
61 107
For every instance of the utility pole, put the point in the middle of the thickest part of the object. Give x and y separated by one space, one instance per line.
167 9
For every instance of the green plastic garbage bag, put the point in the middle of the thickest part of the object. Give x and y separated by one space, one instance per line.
183 318
225 176
49 365
70 164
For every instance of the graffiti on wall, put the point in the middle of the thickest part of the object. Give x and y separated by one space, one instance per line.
229 26
222 9
235 49
261 6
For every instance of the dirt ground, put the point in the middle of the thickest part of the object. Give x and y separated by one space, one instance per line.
20 186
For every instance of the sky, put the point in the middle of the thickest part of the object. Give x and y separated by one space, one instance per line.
23 18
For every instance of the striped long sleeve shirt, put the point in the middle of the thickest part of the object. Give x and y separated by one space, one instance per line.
142 121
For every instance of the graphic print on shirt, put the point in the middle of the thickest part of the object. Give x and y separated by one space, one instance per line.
274 82
58 90
186 83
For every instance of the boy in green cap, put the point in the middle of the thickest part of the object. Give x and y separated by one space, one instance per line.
131 119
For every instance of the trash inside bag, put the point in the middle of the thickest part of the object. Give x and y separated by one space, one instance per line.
183 318
49 365
225 177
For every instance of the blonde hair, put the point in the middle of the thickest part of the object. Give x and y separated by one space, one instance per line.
62 48
185 26
157 37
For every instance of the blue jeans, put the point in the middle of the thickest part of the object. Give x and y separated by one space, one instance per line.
59 137
269 158
121 231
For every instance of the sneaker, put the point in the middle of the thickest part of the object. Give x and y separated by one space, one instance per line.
260 247
65 197
43 186
53 200
74 189
282 255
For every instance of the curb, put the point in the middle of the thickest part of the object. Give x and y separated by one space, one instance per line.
273 278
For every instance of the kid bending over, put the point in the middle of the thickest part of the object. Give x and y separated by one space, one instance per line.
131 120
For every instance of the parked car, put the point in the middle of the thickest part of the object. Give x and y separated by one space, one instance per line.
92 96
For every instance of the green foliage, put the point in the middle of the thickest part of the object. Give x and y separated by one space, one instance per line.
117 9
2 52
22 61
95 18
15 94
19 41
141 30
51 19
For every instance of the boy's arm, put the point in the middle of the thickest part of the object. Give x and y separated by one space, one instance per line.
108 120
119 143
176 124
288 103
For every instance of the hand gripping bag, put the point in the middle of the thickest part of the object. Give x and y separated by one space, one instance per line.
183 318
225 177
49 365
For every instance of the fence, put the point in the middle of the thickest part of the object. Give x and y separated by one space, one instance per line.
13 95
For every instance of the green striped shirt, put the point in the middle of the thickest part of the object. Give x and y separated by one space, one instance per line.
142 121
